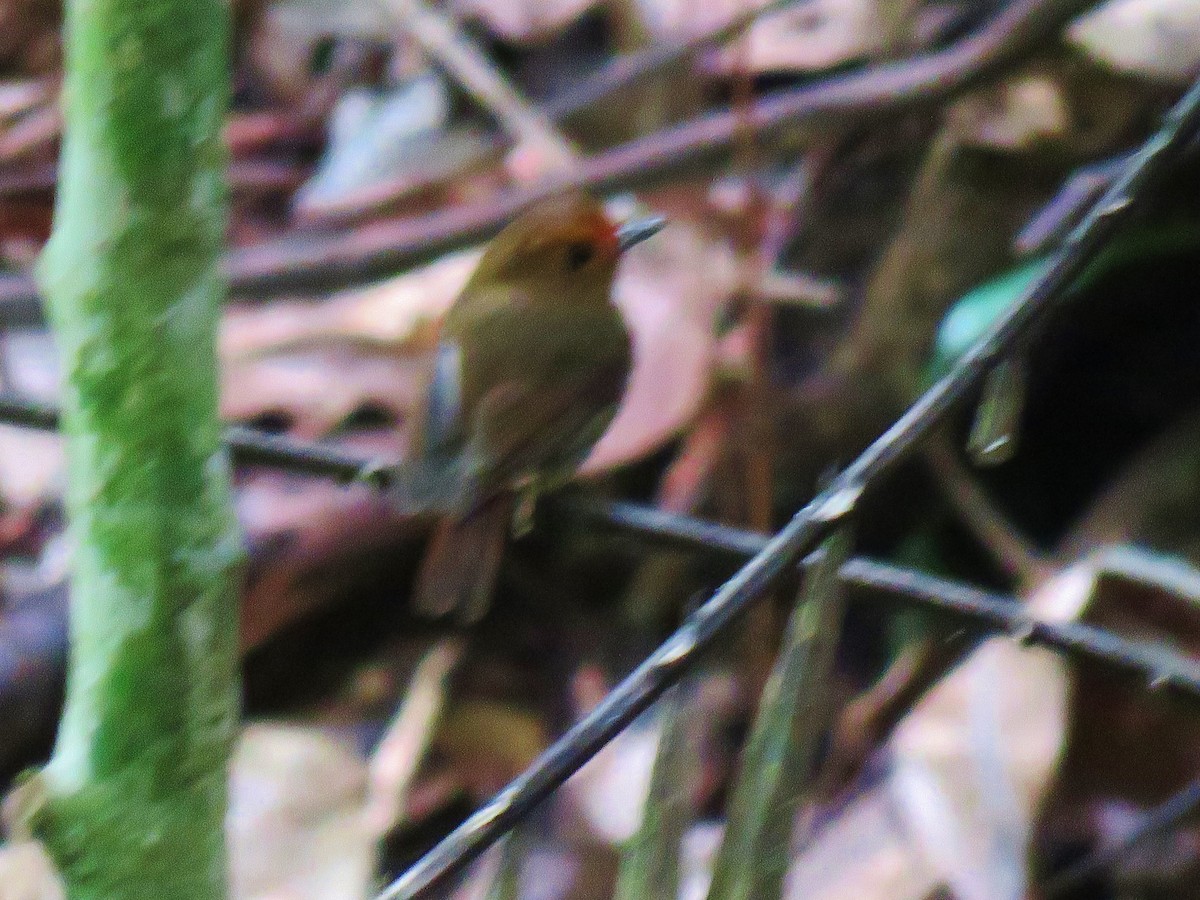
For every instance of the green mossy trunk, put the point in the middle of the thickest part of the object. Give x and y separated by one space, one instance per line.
133 800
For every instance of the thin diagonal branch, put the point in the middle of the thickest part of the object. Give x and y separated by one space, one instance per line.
247 446
1161 820
770 558
666 665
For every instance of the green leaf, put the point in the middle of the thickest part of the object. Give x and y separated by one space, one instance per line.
976 311
650 860
780 757
506 883
993 438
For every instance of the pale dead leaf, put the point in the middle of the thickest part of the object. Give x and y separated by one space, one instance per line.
975 757
315 392
26 873
611 789
974 760
810 37
371 134
1154 38
295 823
700 845
520 21
31 466
969 768
1016 114
864 854
609 792
678 20
399 314
402 748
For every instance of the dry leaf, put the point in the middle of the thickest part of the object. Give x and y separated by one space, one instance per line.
402 748
611 789
863 854
26 873
810 37
608 793
673 21
969 768
1015 114
370 134
31 466
400 314
520 21
1153 38
295 824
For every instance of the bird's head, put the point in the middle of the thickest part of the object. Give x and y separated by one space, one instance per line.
561 250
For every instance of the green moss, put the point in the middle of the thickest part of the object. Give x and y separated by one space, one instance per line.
134 796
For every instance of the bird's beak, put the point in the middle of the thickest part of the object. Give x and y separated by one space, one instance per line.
637 230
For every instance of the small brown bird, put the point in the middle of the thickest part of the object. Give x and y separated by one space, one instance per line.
531 366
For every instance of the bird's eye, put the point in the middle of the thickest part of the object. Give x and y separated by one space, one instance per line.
579 254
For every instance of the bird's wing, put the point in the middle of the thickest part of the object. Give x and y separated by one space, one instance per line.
436 475
526 427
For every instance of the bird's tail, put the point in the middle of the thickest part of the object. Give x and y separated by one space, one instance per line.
462 560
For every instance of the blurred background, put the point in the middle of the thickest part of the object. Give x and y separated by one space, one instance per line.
856 189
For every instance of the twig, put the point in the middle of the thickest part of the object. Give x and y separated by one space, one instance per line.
1015 554
974 608
771 557
469 66
385 249
666 665
247 446
1159 821
404 745
626 71
1160 669
977 608
382 250
1163 671
251 447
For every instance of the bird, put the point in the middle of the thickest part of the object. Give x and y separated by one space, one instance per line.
531 364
